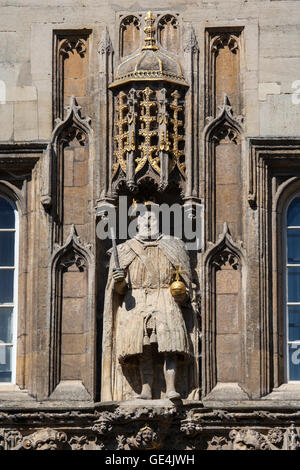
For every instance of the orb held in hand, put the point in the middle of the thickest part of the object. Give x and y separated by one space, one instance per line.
177 287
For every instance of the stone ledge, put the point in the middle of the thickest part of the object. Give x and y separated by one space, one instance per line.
72 390
285 392
15 395
227 392
16 401
111 427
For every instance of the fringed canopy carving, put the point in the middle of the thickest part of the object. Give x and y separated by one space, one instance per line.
149 91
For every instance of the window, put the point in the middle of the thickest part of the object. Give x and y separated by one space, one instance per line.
8 289
292 263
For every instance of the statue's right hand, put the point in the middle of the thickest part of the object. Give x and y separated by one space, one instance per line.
120 285
118 275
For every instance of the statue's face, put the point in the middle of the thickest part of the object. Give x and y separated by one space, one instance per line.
147 436
148 226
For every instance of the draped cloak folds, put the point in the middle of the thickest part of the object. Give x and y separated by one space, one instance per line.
124 316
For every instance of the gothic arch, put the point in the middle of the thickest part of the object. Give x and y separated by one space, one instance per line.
129 35
224 129
224 117
70 59
77 259
168 32
12 192
223 57
226 256
225 243
74 126
72 119
226 39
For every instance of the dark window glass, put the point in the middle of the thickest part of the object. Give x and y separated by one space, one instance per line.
6 325
7 214
7 260
294 322
6 286
294 361
5 363
294 284
7 248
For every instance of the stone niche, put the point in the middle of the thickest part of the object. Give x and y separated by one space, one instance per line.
229 346
71 327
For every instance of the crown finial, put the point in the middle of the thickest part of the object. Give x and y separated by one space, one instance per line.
146 428
149 31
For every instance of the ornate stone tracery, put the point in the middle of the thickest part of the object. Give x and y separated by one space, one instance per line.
149 117
74 261
168 32
225 40
72 44
224 261
74 126
129 34
182 429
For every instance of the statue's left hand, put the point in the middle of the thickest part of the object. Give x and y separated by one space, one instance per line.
181 298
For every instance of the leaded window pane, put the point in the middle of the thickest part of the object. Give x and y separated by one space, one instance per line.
7 215
6 286
7 280
294 323
5 363
293 240
294 284
293 289
7 248
6 317
294 362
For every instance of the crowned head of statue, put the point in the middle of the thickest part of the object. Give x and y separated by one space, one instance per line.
146 212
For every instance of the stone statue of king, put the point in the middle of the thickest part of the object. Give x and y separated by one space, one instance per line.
143 322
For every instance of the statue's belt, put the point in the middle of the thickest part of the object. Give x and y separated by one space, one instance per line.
152 287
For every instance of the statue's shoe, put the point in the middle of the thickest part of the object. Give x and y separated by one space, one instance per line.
172 395
143 396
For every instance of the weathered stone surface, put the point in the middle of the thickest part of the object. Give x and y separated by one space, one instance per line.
74 284
25 120
240 158
279 116
7 121
70 390
82 425
228 306
21 93
227 391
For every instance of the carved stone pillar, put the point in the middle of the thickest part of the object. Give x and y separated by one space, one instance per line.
104 160
191 55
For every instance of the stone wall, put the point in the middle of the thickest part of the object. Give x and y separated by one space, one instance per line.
56 141
271 56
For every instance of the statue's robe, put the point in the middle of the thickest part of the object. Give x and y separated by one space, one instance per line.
148 266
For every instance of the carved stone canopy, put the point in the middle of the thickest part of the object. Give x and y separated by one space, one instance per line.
150 63
149 119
